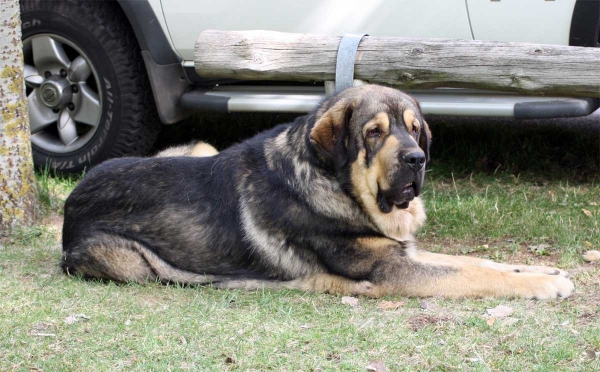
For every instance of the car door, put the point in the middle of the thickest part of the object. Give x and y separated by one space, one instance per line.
410 18
535 21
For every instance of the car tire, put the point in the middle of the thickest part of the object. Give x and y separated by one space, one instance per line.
86 54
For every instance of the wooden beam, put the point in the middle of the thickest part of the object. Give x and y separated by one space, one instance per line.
403 62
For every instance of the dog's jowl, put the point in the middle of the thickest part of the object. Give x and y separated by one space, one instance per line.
327 203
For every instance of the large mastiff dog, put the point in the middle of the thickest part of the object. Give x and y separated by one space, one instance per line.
327 203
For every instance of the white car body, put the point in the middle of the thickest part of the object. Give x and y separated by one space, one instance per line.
536 21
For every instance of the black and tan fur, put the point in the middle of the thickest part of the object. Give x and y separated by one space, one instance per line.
327 203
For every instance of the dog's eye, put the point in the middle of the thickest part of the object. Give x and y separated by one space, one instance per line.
373 133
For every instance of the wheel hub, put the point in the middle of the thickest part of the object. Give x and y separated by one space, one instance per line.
55 92
64 104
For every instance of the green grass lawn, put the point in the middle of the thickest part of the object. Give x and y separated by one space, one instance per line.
506 194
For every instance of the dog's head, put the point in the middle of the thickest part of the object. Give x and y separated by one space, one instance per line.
377 137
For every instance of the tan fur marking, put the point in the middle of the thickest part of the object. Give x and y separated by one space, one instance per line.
326 128
399 224
182 150
200 149
203 149
323 133
475 282
381 121
410 120
376 244
385 159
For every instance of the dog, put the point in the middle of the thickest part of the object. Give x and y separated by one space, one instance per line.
327 203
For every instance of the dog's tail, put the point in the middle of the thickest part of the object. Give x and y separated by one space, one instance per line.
198 149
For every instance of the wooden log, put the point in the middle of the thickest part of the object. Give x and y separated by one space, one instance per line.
406 63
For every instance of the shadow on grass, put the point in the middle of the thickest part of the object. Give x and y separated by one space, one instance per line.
540 152
544 153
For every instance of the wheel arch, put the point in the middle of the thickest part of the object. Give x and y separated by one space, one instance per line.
148 31
165 71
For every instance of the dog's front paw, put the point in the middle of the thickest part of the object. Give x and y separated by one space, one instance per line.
549 286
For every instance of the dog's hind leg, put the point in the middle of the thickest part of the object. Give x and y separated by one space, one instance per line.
322 283
113 257
334 284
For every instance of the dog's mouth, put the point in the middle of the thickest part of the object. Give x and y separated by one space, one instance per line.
399 198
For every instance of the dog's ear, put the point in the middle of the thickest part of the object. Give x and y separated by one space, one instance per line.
424 135
330 131
425 139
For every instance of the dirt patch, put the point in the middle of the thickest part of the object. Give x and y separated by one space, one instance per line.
421 321
53 220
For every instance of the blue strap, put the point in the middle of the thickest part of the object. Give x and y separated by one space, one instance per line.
344 67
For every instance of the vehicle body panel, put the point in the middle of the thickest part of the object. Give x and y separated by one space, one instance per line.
532 21
410 18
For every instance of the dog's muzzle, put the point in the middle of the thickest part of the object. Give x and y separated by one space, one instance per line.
407 185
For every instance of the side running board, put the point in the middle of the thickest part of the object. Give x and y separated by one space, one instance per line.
443 101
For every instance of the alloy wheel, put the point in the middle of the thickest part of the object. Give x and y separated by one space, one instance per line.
63 94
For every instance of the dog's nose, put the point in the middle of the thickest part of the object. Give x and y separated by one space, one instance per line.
415 160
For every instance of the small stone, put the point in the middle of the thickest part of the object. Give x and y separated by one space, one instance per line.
591 256
348 300
500 311
426 305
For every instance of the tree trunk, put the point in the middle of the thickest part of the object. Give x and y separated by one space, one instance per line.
403 62
18 197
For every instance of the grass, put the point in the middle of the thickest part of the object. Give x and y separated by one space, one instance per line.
490 192
506 212
53 190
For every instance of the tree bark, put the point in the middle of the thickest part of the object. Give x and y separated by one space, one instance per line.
403 62
18 196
